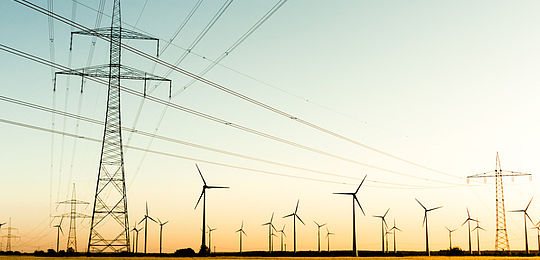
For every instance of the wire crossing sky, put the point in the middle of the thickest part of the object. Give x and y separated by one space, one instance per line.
434 88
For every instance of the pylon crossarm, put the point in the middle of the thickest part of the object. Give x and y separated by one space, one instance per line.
502 174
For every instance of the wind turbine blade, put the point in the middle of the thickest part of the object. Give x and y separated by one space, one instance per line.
435 208
528 204
296 210
517 210
316 223
244 233
420 203
465 222
358 202
299 219
448 229
357 189
271 218
61 231
165 223
152 219
217 187
202 193
526 214
200 173
343 193
142 220
159 221
147 208
274 228
292 214
386 213
384 221
323 225
424 221
468 215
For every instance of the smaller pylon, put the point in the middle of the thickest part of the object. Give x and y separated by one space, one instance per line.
10 235
73 216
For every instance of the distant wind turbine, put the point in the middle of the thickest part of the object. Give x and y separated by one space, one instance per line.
328 234
477 228
58 230
145 219
425 222
394 228
319 235
270 233
537 227
468 221
210 230
241 232
450 236
295 216
384 226
282 233
204 249
136 248
525 216
354 199
161 224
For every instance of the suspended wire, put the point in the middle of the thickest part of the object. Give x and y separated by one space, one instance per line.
50 22
235 44
216 119
234 93
180 28
198 146
243 74
66 98
140 14
251 170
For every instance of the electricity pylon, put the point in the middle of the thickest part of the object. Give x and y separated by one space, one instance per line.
73 216
9 235
501 235
109 228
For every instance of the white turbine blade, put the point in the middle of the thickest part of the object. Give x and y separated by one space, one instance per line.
299 219
420 203
357 189
386 213
359 205
528 204
200 173
296 210
199 200
292 214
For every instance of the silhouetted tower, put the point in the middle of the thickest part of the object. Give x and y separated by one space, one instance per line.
73 216
10 235
109 228
501 236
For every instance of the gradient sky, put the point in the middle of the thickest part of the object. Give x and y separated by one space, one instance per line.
445 84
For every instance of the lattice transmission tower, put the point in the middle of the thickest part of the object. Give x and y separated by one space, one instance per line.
109 228
501 235
9 237
73 215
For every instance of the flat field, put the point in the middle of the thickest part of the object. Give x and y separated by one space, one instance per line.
284 258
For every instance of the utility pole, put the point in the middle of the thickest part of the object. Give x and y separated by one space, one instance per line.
109 228
73 216
501 235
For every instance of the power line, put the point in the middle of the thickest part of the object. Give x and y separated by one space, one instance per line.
177 141
50 22
232 92
191 158
213 118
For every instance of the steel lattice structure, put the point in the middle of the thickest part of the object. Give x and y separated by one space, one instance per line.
109 229
501 235
73 216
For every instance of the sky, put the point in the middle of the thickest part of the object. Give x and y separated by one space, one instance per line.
443 84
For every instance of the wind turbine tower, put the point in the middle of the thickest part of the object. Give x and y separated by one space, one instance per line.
328 234
145 219
204 249
270 233
525 216
425 222
354 199
295 216
109 228
394 228
210 230
383 227
161 224
468 221
450 236
501 235
58 230
318 235
477 228
282 233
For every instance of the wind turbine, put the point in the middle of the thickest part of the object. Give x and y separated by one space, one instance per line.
328 234
383 225
319 235
282 231
204 249
477 228
468 221
58 230
161 224
145 219
270 227
136 248
394 228
525 216
425 222
450 236
354 198
537 227
241 232
210 238
294 215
